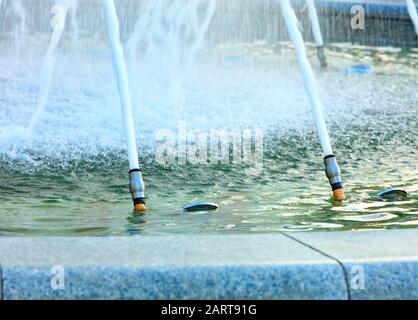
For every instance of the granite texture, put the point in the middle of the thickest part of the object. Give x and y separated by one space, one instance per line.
311 281
387 260
166 267
315 265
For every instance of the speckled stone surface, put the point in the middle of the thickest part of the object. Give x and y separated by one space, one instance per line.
1 283
387 260
232 282
376 265
179 267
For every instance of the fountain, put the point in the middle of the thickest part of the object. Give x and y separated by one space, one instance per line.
203 73
212 91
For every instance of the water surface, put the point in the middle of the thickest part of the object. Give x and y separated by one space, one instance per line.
70 176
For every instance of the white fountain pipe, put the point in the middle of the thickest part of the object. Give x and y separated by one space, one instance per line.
309 79
413 13
313 15
136 184
331 166
121 74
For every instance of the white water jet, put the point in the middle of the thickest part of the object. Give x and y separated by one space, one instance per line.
74 23
163 47
20 12
48 64
308 76
413 14
313 15
121 74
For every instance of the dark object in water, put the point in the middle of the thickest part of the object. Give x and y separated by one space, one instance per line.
392 194
201 206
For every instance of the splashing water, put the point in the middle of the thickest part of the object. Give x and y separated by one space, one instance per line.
178 29
216 65
48 64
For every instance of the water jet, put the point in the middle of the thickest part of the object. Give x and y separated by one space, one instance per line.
331 165
412 10
313 15
136 185
48 65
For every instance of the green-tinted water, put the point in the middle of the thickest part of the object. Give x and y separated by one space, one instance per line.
71 179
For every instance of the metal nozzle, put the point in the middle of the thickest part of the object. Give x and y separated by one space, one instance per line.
333 173
137 187
322 57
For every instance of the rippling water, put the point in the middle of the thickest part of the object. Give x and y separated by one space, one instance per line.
70 177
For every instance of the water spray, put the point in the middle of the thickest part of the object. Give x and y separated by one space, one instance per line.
331 166
413 14
136 185
313 15
48 65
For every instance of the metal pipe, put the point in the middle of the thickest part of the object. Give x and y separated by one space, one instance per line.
137 188
332 170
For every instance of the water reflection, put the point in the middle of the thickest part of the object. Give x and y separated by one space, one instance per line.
136 223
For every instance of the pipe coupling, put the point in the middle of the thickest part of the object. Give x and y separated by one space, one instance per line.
137 186
332 171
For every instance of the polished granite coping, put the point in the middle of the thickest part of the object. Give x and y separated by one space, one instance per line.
388 259
315 265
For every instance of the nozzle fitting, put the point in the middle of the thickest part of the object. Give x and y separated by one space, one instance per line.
322 57
332 171
137 188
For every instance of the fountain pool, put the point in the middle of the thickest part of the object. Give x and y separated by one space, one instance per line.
69 175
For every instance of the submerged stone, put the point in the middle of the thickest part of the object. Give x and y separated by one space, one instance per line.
201 206
392 194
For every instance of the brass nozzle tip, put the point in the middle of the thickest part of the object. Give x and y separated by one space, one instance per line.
339 194
140 207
